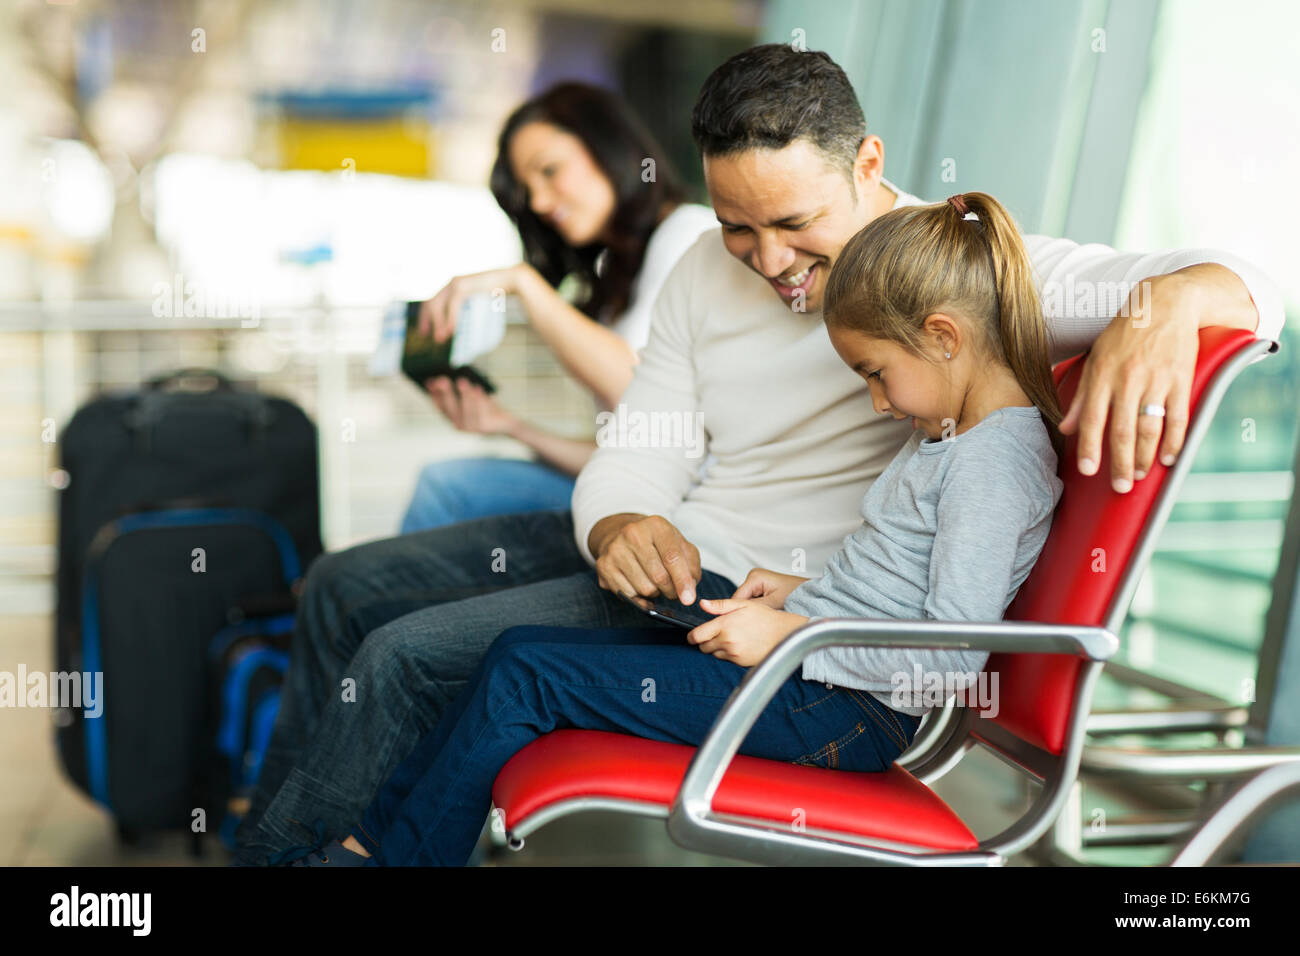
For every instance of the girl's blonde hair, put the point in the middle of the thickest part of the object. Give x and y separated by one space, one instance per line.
918 260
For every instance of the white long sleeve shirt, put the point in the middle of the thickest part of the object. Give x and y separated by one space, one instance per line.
670 239
792 440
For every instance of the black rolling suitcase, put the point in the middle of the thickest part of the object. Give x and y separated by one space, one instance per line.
183 500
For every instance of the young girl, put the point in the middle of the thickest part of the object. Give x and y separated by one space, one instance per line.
935 308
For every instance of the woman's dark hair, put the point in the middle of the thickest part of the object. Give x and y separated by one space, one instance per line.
620 146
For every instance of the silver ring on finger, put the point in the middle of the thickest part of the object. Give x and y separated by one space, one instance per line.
1155 411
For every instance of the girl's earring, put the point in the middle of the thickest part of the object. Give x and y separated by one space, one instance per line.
947 355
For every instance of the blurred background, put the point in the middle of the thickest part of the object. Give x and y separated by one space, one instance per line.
301 163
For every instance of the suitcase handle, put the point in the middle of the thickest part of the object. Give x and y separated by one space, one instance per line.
191 379
152 403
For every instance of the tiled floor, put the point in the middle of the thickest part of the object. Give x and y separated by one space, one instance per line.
45 821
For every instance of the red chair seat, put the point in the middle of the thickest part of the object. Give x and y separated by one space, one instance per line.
569 764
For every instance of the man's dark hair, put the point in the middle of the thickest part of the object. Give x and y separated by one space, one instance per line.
768 96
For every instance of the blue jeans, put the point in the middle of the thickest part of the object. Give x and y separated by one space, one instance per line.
448 492
536 679
386 636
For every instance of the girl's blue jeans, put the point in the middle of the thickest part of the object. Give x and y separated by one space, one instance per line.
448 492
648 682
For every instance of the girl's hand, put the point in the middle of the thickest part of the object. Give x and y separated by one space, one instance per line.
768 587
439 314
468 407
744 632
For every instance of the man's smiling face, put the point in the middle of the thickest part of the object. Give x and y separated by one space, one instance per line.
786 213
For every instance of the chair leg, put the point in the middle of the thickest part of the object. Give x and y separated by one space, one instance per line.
1067 831
1233 818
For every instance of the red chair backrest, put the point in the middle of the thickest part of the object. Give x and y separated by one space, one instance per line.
1095 534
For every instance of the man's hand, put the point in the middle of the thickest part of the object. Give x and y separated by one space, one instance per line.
767 587
744 632
1147 356
646 556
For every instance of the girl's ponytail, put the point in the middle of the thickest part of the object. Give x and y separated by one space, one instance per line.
1021 328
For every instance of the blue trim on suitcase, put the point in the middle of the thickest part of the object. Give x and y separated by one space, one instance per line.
273 626
96 728
259 734
268 705
184 517
234 691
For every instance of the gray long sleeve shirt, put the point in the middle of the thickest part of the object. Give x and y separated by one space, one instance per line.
950 531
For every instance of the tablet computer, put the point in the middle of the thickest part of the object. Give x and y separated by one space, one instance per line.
686 616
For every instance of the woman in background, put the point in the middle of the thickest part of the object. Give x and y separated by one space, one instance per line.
593 198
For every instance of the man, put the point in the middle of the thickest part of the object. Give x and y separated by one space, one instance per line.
389 632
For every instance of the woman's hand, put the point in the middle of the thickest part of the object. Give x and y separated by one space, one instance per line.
744 632
767 587
468 407
439 314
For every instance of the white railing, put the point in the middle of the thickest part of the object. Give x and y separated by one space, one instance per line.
60 355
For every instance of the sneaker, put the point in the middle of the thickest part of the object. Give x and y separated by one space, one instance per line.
332 854
312 846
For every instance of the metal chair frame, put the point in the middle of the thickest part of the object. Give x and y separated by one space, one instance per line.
945 735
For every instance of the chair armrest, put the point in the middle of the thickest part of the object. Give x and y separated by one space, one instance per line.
688 821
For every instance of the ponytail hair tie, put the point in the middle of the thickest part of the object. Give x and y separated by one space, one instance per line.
959 203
